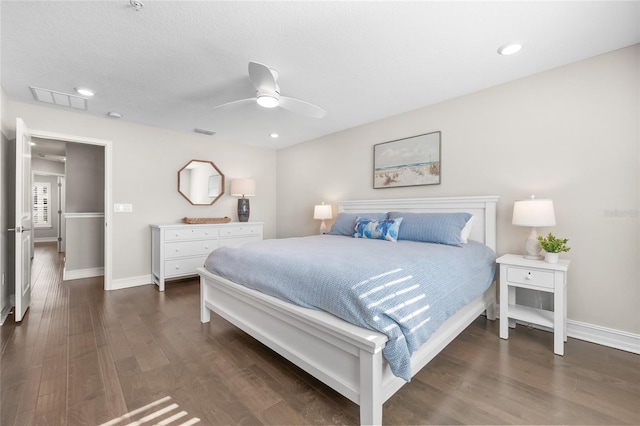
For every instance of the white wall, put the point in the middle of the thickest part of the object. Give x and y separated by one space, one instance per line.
569 134
146 161
84 174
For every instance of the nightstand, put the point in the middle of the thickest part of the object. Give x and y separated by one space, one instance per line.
516 271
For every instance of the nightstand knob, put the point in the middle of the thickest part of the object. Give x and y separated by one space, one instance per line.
529 276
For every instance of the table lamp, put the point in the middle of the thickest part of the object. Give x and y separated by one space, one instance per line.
322 212
533 213
243 188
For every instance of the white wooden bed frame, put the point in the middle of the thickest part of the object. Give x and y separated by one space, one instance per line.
343 356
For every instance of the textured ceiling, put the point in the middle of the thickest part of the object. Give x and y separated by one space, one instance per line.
169 64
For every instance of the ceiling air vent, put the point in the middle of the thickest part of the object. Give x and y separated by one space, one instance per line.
204 132
58 98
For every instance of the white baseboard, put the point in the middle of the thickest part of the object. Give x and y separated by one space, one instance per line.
131 282
78 274
604 336
622 340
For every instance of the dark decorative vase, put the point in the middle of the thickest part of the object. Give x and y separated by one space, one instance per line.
243 209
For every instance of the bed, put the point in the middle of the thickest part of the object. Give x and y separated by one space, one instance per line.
344 356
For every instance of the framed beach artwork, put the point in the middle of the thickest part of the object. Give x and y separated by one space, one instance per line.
407 162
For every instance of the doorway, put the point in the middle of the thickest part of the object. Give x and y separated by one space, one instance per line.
84 144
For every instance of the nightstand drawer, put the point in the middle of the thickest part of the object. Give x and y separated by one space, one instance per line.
530 277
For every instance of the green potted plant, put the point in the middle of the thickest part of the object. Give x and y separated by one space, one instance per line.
553 246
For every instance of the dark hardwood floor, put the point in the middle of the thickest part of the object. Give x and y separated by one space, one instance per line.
83 356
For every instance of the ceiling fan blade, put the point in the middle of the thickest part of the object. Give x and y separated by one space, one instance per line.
236 104
301 107
262 77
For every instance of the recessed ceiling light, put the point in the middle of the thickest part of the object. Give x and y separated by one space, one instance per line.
510 48
32 143
274 135
84 91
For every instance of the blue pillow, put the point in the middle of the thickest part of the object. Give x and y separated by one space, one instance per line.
345 223
377 230
441 228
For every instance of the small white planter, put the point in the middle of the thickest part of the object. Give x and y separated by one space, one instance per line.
551 257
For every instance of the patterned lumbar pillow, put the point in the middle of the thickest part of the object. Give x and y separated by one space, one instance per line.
345 222
377 229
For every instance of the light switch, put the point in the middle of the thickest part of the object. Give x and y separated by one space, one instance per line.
123 208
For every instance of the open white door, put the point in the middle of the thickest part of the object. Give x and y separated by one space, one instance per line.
24 220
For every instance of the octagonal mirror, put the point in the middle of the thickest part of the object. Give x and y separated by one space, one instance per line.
200 182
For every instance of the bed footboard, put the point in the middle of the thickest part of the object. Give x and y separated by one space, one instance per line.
343 356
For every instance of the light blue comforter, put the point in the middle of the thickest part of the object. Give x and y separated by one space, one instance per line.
403 289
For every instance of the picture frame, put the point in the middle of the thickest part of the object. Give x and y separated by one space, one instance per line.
411 161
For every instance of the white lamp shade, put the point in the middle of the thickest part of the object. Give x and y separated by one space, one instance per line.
243 187
533 213
322 211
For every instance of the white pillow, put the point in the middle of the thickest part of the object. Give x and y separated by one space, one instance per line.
466 231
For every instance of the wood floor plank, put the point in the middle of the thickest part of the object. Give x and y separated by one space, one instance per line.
83 356
115 403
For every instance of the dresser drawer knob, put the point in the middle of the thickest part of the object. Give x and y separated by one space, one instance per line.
529 275
178 267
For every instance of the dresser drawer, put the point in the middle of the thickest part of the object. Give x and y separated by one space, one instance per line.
530 277
238 231
189 248
186 266
190 233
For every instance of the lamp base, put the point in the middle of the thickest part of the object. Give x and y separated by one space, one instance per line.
532 246
323 228
243 209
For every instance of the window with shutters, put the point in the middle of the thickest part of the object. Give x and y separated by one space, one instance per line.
42 204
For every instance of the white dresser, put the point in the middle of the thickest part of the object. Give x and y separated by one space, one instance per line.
177 249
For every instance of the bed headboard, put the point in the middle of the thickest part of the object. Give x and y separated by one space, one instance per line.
482 207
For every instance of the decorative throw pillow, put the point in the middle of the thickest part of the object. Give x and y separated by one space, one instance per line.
346 222
441 228
377 230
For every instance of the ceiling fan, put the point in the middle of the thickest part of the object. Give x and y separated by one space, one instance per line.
265 80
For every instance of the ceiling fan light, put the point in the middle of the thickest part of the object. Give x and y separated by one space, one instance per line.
267 101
